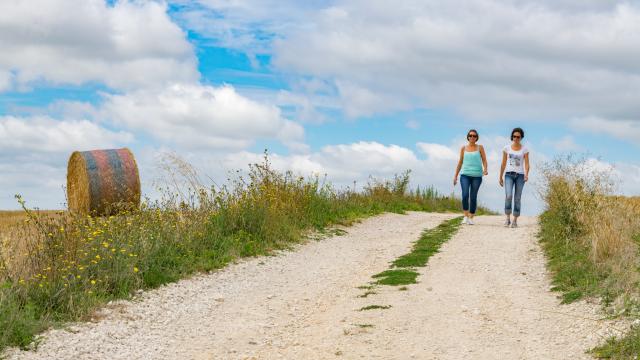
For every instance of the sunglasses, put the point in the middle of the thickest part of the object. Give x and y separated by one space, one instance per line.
472 136
517 137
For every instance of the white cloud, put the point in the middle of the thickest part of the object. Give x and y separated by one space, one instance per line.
198 116
621 129
246 25
44 134
128 45
566 143
438 152
484 58
40 184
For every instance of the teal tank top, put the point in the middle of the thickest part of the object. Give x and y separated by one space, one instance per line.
472 164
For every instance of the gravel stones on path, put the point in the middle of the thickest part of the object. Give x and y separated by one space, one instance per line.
484 296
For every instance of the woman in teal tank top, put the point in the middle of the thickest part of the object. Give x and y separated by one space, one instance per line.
471 167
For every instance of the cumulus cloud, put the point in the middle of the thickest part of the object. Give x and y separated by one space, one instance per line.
45 135
621 129
199 116
246 25
483 58
565 144
128 45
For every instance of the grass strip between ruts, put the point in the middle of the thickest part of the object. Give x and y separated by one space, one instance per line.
402 270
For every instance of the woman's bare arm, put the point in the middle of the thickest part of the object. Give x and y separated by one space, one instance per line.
502 167
455 177
526 167
484 160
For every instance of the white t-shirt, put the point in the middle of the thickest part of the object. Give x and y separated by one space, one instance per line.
515 159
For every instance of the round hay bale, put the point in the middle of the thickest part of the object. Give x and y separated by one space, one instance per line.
102 182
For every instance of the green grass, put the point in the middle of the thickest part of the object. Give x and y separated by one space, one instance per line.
402 270
75 264
375 307
396 277
627 347
624 347
575 276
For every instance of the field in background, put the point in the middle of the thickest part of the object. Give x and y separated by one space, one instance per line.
591 239
59 267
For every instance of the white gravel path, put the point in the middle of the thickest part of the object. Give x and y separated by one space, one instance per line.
485 296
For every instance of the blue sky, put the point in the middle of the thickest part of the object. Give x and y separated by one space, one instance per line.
348 88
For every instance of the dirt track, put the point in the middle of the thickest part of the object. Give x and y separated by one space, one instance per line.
485 296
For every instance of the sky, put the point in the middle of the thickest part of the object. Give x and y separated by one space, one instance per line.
348 89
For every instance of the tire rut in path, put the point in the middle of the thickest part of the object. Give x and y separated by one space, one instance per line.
485 295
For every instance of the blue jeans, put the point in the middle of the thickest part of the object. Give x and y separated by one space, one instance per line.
470 186
513 180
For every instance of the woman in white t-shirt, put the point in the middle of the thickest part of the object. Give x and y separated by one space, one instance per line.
515 160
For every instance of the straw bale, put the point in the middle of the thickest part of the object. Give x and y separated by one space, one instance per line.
102 182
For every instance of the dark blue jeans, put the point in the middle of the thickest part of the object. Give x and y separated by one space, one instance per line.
470 186
511 181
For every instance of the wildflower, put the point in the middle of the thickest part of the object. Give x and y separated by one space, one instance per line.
98 257
135 269
93 282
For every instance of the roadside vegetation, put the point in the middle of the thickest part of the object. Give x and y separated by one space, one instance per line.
591 239
59 267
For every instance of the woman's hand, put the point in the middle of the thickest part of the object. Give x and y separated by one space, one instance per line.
501 182
485 173
455 181
526 177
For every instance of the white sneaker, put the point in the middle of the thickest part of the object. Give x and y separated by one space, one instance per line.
470 221
507 223
465 220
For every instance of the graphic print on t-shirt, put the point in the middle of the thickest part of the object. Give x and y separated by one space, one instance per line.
515 160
